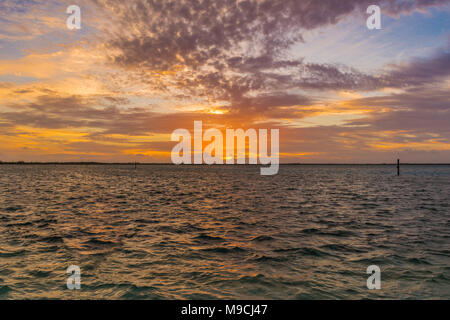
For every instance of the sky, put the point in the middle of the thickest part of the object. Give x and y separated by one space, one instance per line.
137 70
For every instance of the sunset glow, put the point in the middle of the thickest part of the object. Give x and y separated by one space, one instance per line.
115 89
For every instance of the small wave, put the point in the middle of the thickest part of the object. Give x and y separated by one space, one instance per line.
263 238
11 254
19 224
304 251
13 208
419 261
257 279
310 230
340 233
99 242
178 229
341 248
53 239
40 273
4 290
270 259
206 237
335 233
145 221
224 250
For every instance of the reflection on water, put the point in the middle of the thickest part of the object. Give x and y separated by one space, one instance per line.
167 232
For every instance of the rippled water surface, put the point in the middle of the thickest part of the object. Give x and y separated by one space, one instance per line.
165 232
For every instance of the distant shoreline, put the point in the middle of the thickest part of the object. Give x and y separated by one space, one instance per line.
168 163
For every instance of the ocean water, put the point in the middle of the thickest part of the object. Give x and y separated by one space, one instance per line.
210 232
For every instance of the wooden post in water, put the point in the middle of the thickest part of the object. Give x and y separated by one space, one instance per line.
135 165
398 167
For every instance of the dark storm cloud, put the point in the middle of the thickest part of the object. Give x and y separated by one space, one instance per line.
53 112
422 114
153 33
90 146
231 48
399 7
267 103
416 110
421 70
59 112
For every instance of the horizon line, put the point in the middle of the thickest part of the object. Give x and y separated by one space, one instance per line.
204 164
